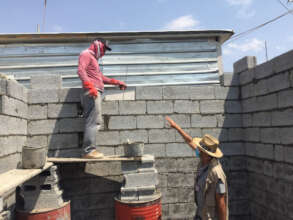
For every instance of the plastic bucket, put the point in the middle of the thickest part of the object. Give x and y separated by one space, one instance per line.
134 149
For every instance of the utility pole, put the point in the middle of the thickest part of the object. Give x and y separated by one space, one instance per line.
44 15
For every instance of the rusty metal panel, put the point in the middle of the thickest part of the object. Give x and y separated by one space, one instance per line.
138 62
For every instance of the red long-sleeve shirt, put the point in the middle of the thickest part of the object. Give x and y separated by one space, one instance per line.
89 70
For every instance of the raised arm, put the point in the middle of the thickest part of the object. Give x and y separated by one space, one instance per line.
186 137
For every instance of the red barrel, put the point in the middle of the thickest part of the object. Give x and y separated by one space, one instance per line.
62 213
150 210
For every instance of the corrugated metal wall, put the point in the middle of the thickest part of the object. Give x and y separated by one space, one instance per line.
138 62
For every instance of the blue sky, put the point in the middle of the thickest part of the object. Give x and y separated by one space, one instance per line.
18 16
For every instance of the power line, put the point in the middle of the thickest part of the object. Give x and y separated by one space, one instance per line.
237 36
284 6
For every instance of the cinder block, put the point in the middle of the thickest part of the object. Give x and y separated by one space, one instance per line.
232 149
71 125
283 62
160 107
158 150
122 122
147 159
193 132
267 102
180 180
115 94
279 153
268 168
247 91
63 141
230 121
108 138
46 82
285 99
161 135
150 121
186 106
286 136
264 70
252 134
11 161
37 141
62 110
226 93
176 92
199 121
265 151
11 144
110 108
249 105
231 79
13 107
3 87
16 90
288 154
245 63
43 96
261 87
134 136
212 107
181 210
104 168
43 127
132 107
247 120
14 126
75 152
278 82
43 202
38 111
141 179
236 134
261 119
166 165
149 93
107 150
233 107
201 92
186 165
270 135
146 191
179 150
282 118
129 194
183 120
70 94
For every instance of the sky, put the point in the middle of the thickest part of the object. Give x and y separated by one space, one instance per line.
19 16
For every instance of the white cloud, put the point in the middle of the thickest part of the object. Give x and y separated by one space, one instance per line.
227 51
244 10
57 28
290 38
254 45
239 2
182 23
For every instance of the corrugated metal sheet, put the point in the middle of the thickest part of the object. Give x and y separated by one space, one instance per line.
142 61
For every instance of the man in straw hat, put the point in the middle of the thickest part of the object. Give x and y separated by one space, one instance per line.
211 190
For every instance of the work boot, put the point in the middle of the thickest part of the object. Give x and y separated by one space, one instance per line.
93 155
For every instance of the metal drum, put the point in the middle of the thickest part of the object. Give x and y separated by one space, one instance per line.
137 210
62 213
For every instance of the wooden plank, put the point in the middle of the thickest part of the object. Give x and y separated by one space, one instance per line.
13 178
82 160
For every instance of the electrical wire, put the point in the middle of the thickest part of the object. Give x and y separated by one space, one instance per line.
237 36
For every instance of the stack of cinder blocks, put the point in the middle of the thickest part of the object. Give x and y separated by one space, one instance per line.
42 192
140 180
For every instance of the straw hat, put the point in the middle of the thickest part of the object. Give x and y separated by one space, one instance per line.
209 145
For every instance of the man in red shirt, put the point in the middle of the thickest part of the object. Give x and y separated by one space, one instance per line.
93 82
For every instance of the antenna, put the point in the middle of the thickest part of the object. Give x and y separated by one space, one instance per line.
44 15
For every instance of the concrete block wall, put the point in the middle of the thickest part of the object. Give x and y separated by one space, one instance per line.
13 132
267 105
54 120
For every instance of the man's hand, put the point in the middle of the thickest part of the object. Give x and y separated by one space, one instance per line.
119 83
92 91
171 122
